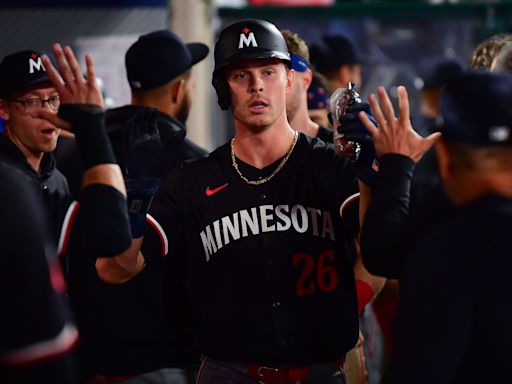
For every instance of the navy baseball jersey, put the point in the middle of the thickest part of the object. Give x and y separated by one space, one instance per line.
268 267
36 331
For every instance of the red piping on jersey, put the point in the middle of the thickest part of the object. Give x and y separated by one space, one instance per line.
43 350
66 228
348 201
161 233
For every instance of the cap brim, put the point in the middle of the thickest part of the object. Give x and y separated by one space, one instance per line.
36 84
198 51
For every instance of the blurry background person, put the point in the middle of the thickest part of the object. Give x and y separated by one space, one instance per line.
485 51
338 59
502 62
318 100
435 73
297 99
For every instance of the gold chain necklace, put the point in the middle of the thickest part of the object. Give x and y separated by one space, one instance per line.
264 180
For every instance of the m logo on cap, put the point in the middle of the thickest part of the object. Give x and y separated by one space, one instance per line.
245 40
35 64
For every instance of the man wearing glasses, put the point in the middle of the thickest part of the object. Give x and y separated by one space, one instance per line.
28 140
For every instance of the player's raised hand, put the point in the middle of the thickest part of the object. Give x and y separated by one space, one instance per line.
69 81
395 134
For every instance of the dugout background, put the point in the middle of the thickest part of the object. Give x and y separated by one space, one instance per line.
394 36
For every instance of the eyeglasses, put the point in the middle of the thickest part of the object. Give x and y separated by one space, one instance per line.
32 105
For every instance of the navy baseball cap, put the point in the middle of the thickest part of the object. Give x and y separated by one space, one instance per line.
333 52
21 71
476 109
437 71
158 57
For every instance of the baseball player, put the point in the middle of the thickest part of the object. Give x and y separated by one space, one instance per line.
31 92
36 333
141 331
454 290
261 229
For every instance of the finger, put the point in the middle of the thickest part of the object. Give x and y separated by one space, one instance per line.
91 72
73 63
65 71
377 112
430 140
53 74
387 106
368 124
403 103
52 118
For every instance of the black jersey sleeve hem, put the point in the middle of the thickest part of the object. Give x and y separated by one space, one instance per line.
384 230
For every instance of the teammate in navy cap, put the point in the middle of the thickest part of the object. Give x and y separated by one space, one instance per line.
37 335
134 330
454 274
29 103
338 59
262 231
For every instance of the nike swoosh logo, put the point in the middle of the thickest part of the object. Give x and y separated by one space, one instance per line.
210 192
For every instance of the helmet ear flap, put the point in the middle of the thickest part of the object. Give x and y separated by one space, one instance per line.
222 89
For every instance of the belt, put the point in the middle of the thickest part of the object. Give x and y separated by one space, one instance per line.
285 375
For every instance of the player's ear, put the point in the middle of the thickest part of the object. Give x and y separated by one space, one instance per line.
307 78
178 91
290 78
4 110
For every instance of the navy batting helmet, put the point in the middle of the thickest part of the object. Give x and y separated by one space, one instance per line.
242 40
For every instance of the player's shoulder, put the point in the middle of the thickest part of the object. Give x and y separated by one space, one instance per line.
193 170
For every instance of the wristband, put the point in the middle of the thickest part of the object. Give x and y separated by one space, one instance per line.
140 194
88 123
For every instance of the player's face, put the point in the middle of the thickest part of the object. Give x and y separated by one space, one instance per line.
296 95
258 91
32 135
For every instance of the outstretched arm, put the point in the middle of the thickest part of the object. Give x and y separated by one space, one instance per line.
385 231
100 226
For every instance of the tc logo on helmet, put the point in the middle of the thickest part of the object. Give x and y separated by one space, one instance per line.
247 40
35 64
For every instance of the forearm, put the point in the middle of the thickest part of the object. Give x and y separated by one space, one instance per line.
122 267
384 232
99 162
107 174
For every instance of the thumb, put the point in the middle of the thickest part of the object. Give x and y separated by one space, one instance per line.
426 144
431 139
52 118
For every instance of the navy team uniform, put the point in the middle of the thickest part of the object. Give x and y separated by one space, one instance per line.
268 267
36 333
453 262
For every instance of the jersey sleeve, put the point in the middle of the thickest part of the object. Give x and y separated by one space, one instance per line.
35 326
390 228
97 225
164 227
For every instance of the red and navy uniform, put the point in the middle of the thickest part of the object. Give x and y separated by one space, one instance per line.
268 267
